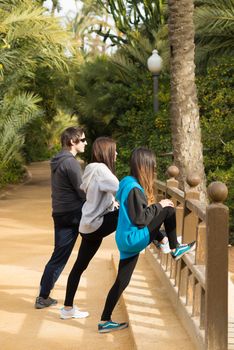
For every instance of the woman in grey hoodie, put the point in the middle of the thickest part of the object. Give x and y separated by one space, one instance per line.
99 215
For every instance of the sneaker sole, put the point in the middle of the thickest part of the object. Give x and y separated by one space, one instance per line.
40 306
44 306
112 329
76 317
165 252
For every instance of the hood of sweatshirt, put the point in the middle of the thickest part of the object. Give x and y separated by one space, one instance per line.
126 182
89 173
59 158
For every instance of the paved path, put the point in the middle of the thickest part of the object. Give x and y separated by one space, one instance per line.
26 239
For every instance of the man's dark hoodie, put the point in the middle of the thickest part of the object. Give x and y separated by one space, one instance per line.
65 182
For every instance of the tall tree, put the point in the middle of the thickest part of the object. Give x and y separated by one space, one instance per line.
186 132
130 15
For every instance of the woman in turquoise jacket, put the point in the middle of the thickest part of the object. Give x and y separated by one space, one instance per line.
138 225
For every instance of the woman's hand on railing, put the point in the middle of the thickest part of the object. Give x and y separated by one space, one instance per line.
116 204
166 203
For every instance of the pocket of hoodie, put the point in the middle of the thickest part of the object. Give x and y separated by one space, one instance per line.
133 240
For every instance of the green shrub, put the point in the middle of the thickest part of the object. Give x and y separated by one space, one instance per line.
215 93
36 141
43 138
11 173
140 126
226 176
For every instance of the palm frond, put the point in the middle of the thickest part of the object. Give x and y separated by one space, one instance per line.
215 19
15 113
28 27
134 55
214 22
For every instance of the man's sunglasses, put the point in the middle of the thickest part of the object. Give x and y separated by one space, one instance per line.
82 140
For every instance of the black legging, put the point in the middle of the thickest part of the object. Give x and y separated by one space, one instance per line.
168 217
88 248
125 271
127 266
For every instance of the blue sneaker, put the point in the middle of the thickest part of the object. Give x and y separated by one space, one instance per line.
111 326
183 249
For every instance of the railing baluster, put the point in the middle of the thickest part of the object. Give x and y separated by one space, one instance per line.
177 265
179 219
173 172
190 289
184 283
202 309
190 219
201 244
196 297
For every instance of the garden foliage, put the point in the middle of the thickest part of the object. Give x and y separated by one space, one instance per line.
125 111
47 86
215 92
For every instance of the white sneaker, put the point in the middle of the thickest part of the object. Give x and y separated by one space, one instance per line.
164 247
72 313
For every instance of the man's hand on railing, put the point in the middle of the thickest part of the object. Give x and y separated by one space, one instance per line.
166 203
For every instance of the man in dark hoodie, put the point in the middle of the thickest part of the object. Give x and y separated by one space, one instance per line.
67 202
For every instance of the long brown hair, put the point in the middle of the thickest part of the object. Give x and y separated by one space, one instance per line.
103 151
142 167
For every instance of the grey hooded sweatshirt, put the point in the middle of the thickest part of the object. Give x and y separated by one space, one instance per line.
100 186
65 182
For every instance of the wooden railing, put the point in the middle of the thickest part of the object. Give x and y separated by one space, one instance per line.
198 283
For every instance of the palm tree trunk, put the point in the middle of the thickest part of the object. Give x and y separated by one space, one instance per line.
186 132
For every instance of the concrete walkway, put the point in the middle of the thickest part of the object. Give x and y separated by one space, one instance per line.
26 240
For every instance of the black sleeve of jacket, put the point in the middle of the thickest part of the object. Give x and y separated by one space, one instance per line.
74 174
139 212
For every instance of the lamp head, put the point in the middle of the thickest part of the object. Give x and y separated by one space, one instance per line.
154 63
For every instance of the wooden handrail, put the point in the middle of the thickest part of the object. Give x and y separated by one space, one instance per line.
161 185
176 194
197 207
200 278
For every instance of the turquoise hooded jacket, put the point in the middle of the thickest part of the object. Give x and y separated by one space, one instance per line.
130 239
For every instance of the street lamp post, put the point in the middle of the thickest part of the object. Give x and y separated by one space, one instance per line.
154 64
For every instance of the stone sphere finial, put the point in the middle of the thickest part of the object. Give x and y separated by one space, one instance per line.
173 171
193 180
217 191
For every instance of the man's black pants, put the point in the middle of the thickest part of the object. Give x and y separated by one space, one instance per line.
66 232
